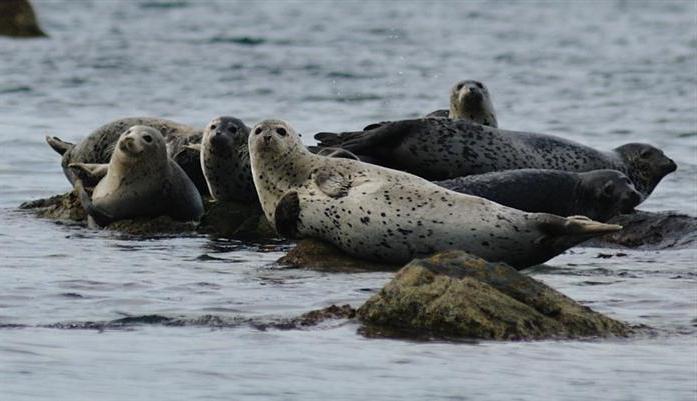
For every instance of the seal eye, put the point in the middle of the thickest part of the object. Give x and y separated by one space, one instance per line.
460 85
257 131
281 131
479 84
646 154
232 129
213 126
147 138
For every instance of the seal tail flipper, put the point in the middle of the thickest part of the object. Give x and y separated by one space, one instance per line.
58 145
572 230
97 214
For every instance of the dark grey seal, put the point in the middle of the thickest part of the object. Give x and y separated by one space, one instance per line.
599 195
439 149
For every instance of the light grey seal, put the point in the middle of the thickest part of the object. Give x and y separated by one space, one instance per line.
439 149
470 100
139 181
96 148
599 194
225 160
391 216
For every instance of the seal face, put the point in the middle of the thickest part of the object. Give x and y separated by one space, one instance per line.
98 146
140 181
599 195
225 160
391 216
470 100
440 149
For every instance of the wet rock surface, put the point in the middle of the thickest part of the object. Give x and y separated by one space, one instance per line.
319 255
650 230
17 19
455 295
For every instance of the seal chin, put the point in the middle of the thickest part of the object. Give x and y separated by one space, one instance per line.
629 201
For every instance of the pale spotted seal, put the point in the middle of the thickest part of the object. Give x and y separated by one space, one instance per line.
470 100
96 148
439 149
391 216
225 160
139 181
599 194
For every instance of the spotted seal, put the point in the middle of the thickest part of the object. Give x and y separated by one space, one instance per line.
140 180
599 194
390 216
224 159
439 149
96 148
470 100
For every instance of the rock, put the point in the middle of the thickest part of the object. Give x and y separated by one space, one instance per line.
319 255
649 230
59 207
456 295
17 19
235 219
228 219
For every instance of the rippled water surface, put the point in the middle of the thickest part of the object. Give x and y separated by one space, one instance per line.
603 73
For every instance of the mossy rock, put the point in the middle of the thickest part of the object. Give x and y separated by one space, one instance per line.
235 219
319 255
17 19
59 207
650 230
456 295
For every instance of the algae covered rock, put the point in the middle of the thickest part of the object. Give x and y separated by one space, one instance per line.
17 19
59 207
456 295
319 255
235 219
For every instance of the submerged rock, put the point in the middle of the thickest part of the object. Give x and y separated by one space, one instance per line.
17 19
319 255
456 295
649 230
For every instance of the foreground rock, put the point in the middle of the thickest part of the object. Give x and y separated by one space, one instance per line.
647 230
456 295
17 19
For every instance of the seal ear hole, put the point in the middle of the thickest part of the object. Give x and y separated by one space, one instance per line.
147 138
282 131
257 131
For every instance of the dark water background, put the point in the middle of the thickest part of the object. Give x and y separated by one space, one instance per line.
603 73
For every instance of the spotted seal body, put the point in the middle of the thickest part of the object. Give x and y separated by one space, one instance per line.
599 195
224 159
98 146
391 216
140 180
439 149
470 100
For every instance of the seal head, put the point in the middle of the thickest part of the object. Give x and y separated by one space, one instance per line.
646 165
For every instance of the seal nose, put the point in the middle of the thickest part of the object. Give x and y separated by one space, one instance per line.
267 139
671 166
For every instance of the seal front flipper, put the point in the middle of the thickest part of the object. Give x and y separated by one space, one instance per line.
332 183
573 229
89 173
287 215
99 216
58 145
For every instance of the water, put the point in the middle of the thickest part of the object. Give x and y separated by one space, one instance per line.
604 74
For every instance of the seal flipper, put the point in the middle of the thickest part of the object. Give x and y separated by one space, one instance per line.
100 217
59 145
287 215
572 229
89 173
331 183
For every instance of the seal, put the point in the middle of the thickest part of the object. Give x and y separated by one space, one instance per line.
97 147
390 216
224 159
470 100
440 149
599 195
140 180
